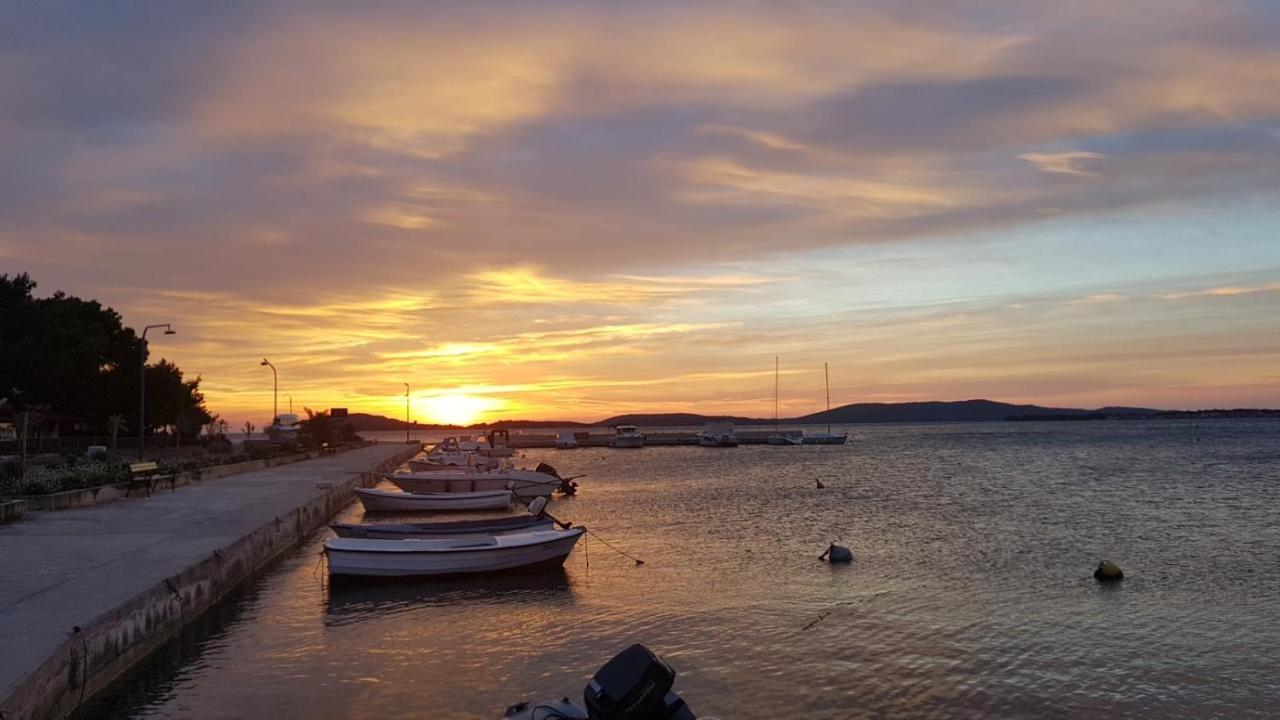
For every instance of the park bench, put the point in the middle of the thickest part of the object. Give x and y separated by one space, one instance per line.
327 449
146 475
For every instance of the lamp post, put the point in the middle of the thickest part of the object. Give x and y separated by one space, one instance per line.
406 412
290 402
275 391
142 385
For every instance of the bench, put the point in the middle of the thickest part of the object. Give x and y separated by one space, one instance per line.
146 475
327 449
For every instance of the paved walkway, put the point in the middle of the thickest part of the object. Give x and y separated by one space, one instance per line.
62 569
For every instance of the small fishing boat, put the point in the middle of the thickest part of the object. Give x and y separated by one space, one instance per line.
375 500
566 440
718 434
460 528
454 461
540 482
450 556
626 436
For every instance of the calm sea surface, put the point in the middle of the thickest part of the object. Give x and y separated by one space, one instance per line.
971 594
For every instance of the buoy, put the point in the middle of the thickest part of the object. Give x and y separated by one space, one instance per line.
837 554
1108 572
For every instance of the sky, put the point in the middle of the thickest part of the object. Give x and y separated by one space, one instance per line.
569 210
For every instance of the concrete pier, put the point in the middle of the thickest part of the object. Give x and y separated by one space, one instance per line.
87 593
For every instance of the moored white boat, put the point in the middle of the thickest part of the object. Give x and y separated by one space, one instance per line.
525 483
458 528
566 440
449 556
626 436
375 500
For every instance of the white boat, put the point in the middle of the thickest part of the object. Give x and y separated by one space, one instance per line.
779 438
450 556
375 500
459 528
525 483
626 436
718 434
566 440
828 437
498 444
454 461
284 429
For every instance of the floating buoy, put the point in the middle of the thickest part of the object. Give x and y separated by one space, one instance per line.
1108 571
837 554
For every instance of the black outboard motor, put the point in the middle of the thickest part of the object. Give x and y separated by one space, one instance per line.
568 487
634 685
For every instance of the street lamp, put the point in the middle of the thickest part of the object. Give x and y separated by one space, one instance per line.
142 385
406 412
275 391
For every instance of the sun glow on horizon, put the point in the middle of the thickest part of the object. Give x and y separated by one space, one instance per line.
455 408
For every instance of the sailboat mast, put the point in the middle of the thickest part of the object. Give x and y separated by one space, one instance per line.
826 380
775 393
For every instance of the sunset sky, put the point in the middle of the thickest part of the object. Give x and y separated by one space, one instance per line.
570 210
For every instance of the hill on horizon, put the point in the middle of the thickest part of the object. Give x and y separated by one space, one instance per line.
931 411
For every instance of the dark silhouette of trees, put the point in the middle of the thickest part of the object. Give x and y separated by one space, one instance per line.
79 359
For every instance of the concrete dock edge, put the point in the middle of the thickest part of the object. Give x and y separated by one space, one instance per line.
95 655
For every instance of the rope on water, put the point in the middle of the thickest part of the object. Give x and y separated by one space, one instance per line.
637 560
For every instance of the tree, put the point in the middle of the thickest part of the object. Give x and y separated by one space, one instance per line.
317 429
248 429
78 358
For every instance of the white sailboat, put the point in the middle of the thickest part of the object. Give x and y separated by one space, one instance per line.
827 438
778 437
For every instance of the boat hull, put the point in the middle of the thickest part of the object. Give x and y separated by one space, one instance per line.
826 439
784 440
463 528
432 558
717 442
524 483
384 501
627 442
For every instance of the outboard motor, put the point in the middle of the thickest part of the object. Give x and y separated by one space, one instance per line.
634 685
567 486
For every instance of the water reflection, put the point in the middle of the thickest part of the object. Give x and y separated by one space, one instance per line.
370 599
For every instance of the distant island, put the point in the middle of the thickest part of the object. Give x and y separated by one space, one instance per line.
911 412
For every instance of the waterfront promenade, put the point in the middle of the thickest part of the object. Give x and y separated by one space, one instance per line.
91 568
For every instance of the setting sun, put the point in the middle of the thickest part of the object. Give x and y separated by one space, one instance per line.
455 409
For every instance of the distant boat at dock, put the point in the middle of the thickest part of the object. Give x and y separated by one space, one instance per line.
626 436
828 437
718 434
778 437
